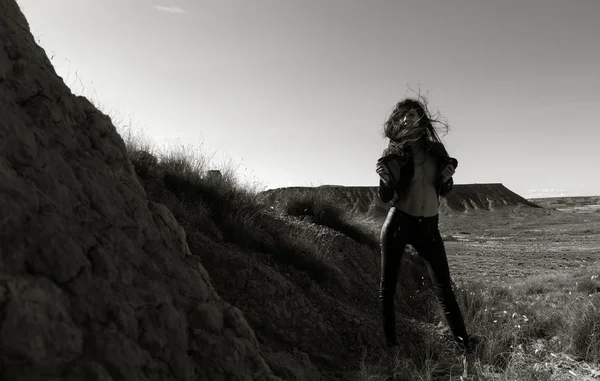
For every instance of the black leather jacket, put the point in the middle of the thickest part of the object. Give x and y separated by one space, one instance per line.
407 169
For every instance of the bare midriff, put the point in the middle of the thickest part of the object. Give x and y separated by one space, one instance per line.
420 199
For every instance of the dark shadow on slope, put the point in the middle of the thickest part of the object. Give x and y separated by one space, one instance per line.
228 212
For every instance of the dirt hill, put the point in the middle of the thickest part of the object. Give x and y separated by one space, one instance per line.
364 199
96 281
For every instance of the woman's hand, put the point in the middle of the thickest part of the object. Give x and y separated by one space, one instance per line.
382 171
447 172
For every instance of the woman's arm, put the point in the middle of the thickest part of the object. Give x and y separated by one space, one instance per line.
446 186
385 191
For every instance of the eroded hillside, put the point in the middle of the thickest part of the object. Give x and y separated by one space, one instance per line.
96 281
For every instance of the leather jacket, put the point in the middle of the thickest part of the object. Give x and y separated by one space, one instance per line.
404 159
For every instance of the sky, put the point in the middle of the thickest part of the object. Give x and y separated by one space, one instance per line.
295 93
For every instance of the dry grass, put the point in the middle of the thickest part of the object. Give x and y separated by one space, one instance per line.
423 360
545 328
219 206
323 209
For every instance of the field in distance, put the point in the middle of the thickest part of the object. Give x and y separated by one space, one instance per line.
512 243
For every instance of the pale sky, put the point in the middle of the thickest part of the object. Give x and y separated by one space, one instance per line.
297 91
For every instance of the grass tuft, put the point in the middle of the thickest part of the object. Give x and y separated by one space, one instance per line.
323 209
586 332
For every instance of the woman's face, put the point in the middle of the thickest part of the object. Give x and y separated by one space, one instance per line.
408 122
410 118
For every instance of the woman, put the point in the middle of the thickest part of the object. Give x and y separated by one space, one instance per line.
417 170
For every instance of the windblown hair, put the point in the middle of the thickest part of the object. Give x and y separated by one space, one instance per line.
429 125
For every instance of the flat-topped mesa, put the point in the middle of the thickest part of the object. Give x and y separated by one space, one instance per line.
482 196
462 198
96 282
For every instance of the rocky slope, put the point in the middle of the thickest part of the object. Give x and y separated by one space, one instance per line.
96 282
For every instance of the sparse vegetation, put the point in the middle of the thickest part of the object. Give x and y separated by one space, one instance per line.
536 330
213 202
322 209
545 328
550 335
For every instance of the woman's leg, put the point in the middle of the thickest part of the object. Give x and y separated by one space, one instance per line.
428 243
392 249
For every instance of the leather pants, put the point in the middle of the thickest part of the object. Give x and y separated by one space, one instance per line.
423 235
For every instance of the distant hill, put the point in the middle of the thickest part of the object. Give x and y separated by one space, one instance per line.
578 204
559 202
483 196
464 197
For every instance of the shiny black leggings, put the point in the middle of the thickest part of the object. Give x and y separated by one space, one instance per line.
400 229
